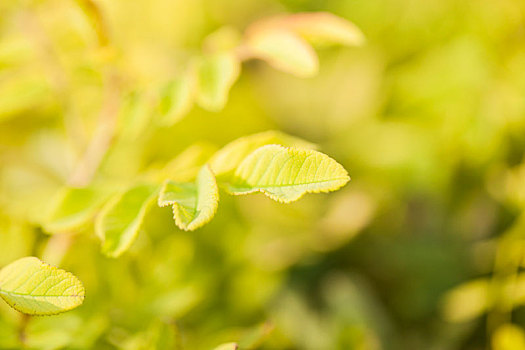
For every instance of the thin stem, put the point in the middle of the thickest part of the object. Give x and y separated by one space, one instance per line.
504 281
104 133
22 328
61 82
102 137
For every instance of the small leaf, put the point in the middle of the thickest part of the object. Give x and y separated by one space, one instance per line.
254 337
323 28
194 204
282 49
36 288
227 346
135 114
286 174
176 100
508 337
467 301
73 208
231 155
216 75
120 219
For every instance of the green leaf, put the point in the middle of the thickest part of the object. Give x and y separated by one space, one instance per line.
323 28
176 100
73 208
36 288
231 155
227 346
216 75
194 204
254 337
120 219
286 174
282 49
135 114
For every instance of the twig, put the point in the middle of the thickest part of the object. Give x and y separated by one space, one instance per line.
22 329
104 133
61 82
102 137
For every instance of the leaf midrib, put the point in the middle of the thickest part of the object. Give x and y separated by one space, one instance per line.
4 292
297 184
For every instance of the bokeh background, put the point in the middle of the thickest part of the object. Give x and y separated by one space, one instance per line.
422 250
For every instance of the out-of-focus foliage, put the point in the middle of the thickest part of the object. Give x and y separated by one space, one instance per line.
119 221
424 250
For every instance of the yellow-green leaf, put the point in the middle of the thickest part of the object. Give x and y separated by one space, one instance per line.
176 99
286 174
119 221
508 337
194 204
282 49
21 92
135 114
255 336
36 288
227 346
323 28
216 74
73 208
230 156
467 301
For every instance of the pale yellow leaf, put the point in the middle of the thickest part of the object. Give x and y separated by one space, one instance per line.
36 288
282 49
227 346
286 174
323 28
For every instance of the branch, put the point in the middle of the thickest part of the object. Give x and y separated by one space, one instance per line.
104 133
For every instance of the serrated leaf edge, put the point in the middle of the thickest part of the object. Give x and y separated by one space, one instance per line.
175 206
50 267
344 181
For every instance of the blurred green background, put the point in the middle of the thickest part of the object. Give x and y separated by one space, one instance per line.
422 250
